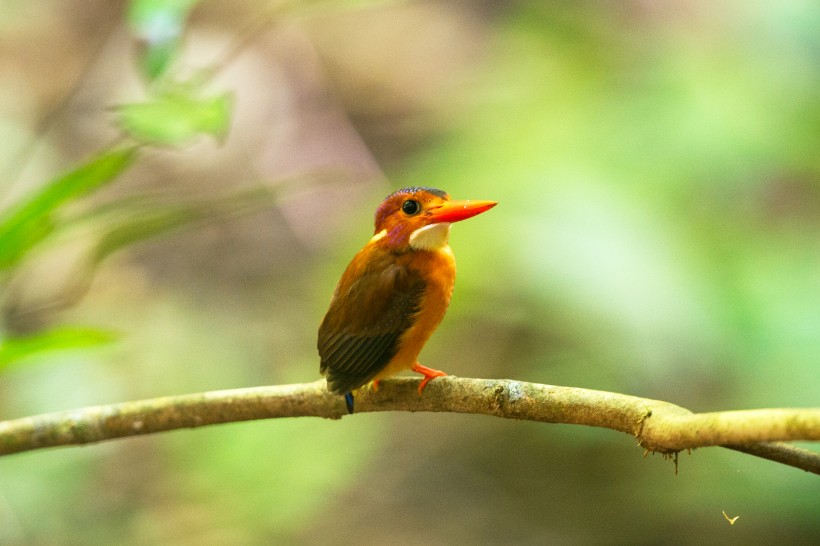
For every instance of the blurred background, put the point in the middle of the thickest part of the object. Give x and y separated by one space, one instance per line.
658 171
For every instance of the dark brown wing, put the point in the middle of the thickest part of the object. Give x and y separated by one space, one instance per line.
360 332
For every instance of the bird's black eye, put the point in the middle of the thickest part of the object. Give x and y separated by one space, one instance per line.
410 207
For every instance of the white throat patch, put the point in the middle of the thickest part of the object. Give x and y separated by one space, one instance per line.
431 237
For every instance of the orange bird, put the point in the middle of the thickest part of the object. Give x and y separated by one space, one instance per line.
394 292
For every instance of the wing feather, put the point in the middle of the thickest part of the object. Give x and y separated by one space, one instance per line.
369 312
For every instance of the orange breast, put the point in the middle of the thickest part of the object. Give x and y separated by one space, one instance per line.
438 269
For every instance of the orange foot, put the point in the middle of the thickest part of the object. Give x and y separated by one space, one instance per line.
374 385
428 373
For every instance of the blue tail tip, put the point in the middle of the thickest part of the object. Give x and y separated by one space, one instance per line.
349 402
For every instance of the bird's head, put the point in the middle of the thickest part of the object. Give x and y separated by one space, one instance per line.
419 218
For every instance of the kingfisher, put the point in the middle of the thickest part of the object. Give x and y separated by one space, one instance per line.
394 293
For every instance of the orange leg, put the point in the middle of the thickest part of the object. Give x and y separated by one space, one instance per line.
374 385
428 373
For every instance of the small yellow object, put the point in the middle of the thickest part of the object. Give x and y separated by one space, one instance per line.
730 520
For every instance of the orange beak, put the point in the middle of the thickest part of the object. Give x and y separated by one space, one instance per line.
455 211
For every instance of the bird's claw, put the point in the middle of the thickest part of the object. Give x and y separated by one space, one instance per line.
428 373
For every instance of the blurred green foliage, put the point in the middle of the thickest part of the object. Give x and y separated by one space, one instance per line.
658 234
32 220
159 25
18 348
175 114
175 117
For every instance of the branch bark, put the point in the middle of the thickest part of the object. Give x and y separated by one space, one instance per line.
658 426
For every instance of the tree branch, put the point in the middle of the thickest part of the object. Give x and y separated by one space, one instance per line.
658 426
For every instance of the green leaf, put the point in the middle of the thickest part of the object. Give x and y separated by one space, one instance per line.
14 349
155 58
140 227
175 117
128 222
158 24
25 225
